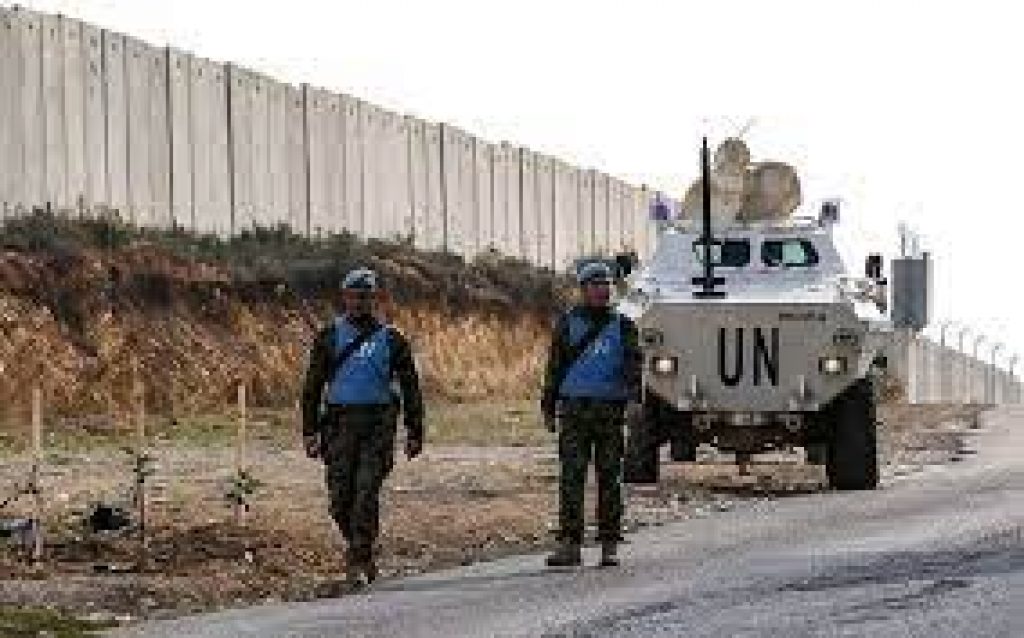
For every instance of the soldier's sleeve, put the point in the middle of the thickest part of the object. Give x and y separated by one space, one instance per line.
404 367
316 376
634 360
556 360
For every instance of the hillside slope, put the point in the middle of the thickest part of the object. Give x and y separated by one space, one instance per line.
83 302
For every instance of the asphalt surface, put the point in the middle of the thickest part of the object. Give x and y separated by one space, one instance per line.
937 553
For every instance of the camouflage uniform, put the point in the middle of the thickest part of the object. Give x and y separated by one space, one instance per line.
590 428
358 440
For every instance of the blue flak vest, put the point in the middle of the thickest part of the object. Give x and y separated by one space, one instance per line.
598 372
365 379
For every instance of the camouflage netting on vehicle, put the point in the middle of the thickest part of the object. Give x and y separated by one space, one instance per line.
745 191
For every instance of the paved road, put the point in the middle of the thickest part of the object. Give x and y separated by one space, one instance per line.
939 553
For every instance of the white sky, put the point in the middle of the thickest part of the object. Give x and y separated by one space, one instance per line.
905 110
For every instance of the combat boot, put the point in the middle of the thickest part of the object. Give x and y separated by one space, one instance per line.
356 569
609 554
568 555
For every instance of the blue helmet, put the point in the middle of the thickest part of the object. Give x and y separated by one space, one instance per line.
594 272
360 279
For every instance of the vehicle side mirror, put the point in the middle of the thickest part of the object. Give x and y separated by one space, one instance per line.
625 263
873 266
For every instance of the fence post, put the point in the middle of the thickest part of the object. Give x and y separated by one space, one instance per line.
141 459
37 461
240 454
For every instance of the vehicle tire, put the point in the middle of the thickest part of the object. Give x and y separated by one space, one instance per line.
682 439
643 444
852 457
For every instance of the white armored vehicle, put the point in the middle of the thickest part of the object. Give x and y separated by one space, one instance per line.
767 345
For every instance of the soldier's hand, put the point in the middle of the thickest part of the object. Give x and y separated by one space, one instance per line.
311 442
413 447
551 422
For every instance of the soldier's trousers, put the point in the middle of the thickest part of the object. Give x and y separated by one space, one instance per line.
359 454
590 429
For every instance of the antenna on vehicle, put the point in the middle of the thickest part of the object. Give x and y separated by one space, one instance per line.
746 128
708 281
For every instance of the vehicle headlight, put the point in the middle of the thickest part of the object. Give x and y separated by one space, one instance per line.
832 365
665 366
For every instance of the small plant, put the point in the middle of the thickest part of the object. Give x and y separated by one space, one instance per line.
241 488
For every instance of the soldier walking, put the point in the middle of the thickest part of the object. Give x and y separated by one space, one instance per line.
350 412
592 385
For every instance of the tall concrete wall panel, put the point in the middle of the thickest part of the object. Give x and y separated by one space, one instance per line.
297 167
616 214
450 147
55 148
260 185
353 156
74 113
278 156
403 185
465 221
33 134
416 145
386 175
337 179
180 73
10 113
566 236
601 199
499 199
370 119
396 176
528 216
513 202
115 89
159 141
434 238
210 148
138 81
317 126
545 190
94 120
483 159
240 127
381 173
586 209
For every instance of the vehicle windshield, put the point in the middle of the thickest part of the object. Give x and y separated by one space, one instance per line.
731 253
792 252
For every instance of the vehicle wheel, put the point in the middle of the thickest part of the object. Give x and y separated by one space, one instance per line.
682 440
817 453
643 443
852 456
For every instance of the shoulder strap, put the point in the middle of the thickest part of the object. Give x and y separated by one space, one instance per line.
577 350
353 346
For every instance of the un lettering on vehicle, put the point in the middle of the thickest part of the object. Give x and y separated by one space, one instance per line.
753 351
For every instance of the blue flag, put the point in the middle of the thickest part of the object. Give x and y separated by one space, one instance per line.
660 210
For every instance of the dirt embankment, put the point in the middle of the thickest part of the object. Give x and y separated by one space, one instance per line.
83 304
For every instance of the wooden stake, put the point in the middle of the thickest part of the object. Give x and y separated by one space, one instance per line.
138 390
37 461
240 451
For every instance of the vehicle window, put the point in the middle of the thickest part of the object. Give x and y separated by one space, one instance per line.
733 253
788 252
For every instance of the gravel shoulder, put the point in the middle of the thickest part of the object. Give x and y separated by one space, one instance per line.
457 505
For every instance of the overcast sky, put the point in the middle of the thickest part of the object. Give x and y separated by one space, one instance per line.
904 110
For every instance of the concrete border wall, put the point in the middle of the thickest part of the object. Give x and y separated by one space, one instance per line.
95 121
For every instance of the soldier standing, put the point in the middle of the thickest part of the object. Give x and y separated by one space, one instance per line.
592 385
350 413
